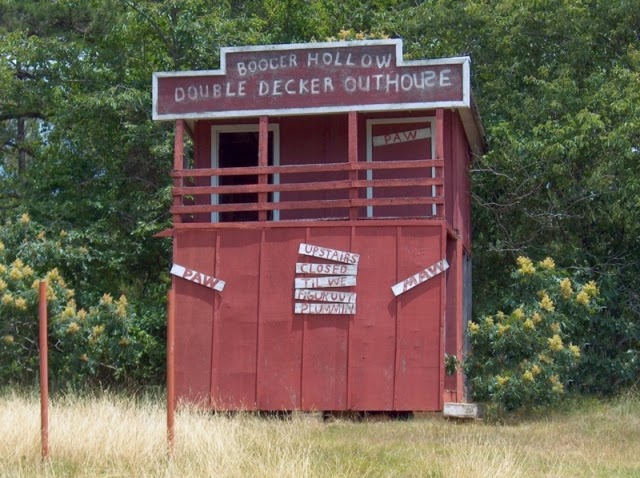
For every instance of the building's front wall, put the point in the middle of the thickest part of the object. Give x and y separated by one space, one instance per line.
245 348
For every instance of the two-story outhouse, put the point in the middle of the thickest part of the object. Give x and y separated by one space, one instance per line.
321 226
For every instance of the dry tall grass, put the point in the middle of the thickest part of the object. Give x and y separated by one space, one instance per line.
120 437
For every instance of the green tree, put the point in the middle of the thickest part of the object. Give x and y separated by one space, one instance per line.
557 84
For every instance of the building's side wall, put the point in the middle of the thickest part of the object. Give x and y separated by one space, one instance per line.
246 349
458 207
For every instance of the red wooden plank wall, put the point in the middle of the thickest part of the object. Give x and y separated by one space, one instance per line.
194 314
280 343
325 340
233 365
246 349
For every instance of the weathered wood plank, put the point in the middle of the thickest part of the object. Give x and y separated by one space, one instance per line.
329 281
297 205
420 277
312 186
328 269
198 277
325 295
402 137
329 254
307 168
324 308
461 410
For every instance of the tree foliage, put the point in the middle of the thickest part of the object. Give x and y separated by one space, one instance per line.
529 356
557 84
104 342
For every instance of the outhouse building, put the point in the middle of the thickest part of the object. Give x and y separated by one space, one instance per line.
321 226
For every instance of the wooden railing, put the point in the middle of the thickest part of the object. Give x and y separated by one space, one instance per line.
193 200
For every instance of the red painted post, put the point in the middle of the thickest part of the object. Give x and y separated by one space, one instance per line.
263 160
440 190
178 164
171 392
352 135
44 371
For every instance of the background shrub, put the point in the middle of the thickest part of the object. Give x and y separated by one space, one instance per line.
90 342
529 355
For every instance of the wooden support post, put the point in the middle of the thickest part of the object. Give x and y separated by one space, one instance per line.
171 389
440 209
353 159
442 316
44 371
263 160
459 318
178 164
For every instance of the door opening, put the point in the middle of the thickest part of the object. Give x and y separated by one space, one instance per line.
237 147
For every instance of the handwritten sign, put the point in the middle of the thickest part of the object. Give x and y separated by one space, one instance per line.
332 269
325 296
420 277
402 137
330 281
329 254
320 308
312 78
197 277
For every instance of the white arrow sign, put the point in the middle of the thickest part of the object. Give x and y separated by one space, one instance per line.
328 281
320 308
329 269
325 295
401 137
197 277
330 254
420 277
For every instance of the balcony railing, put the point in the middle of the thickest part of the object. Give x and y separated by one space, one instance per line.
358 194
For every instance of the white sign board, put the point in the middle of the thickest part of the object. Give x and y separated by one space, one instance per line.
197 277
325 295
402 137
330 269
329 254
420 277
320 282
322 308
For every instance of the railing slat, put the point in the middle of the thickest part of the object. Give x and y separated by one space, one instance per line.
301 187
308 168
316 204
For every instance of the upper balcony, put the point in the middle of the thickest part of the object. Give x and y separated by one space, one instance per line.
271 171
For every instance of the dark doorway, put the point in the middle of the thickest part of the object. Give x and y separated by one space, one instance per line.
236 150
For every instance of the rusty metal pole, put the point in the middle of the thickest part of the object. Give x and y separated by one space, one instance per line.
171 397
44 371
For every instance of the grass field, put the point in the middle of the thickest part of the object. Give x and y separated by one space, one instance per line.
120 437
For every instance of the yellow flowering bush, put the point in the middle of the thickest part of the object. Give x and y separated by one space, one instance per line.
547 263
99 343
525 266
546 303
555 343
566 290
528 353
582 298
591 289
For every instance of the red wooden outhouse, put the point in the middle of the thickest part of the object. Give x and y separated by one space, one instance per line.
321 236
